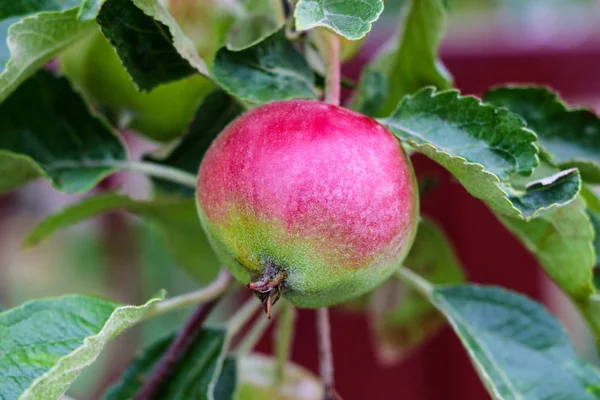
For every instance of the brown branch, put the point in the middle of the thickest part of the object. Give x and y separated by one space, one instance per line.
162 371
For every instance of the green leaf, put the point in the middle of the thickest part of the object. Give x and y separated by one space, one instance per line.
572 136
409 65
64 142
373 87
250 31
402 318
464 126
519 350
149 41
226 384
216 111
562 241
46 343
350 18
207 22
175 219
163 114
544 194
485 148
190 378
270 70
593 212
31 34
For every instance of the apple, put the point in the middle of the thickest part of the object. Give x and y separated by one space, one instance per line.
308 200
162 114
256 381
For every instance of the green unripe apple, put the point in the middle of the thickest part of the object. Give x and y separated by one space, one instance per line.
257 381
163 114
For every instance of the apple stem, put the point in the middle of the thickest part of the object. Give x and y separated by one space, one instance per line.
325 353
330 50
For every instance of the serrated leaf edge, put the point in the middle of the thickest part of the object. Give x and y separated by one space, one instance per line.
6 88
497 182
92 345
335 29
564 108
432 92
227 88
185 47
542 210
503 186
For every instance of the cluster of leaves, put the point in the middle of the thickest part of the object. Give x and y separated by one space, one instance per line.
531 159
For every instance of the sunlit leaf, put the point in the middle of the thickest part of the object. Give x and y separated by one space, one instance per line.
349 18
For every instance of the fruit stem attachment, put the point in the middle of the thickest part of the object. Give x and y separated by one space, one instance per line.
330 50
269 286
213 291
162 371
325 353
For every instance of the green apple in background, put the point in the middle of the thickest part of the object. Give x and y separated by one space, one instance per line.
256 381
94 68
162 114
207 22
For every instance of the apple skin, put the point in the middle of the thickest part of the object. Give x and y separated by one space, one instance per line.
324 195
162 114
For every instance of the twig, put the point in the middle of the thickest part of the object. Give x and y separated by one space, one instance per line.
207 293
210 295
330 49
160 171
162 371
147 168
325 353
